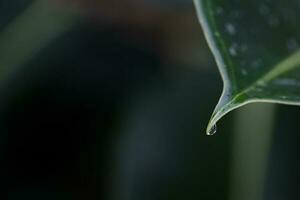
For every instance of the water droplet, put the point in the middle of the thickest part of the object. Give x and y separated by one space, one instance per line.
232 51
292 44
217 34
261 83
213 130
257 63
244 72
230 29
287 82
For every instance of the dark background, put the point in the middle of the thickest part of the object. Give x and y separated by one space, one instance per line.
116 107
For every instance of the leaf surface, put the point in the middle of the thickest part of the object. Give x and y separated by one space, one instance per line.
256 46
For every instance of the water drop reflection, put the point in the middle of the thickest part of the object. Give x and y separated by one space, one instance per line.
213 130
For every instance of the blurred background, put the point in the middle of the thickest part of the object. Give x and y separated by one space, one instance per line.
107 99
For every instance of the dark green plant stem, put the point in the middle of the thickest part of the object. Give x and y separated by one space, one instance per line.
252 140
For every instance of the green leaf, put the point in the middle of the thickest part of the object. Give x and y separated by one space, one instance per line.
256 47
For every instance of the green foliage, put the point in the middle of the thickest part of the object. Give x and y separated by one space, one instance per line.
256 46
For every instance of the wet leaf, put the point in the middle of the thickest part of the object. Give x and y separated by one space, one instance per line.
256 46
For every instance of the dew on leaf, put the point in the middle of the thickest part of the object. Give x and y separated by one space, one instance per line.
244 72
213 130
230 29
292 44
233 50
287 82
257 63
284 97
217 34
261 83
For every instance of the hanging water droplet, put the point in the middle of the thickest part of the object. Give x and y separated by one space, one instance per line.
213 130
